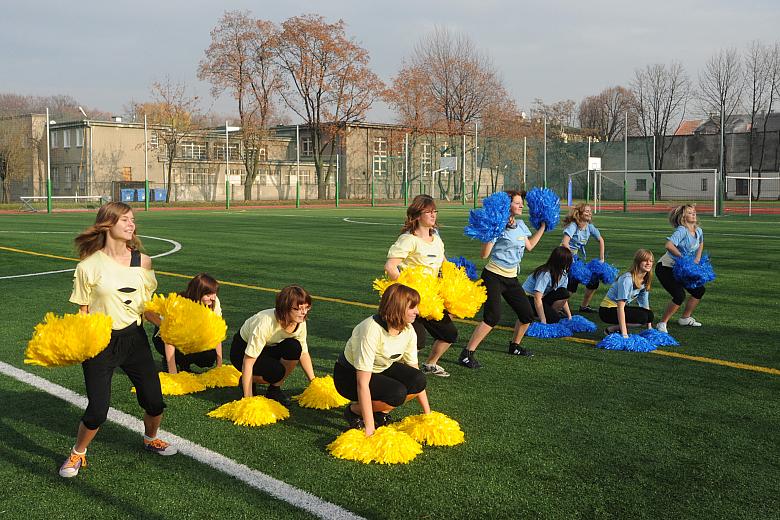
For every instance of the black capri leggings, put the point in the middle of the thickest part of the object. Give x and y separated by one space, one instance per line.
443 329
392 386
204 359
638 315
550 314
511 290
574 284
665 275
269 364
128 350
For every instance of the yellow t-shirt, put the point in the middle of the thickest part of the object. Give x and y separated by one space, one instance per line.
262 329
371 348
113 289
413 250
501 271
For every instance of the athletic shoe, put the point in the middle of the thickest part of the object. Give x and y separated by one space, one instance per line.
468 359
606 331
275 393
516 350
160 447
689 322
434 370
382 419
354 420
72 465
587 309
661 327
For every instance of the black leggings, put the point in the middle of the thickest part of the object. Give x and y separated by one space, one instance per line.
511 290
269 365
665 275
574 284
128 350
638 315
442 329
550 314
204 359
392 386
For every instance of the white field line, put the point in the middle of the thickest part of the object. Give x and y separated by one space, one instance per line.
176 248
255 479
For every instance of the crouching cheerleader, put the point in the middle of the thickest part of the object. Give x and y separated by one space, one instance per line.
633 285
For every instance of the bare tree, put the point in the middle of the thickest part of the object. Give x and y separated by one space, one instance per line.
175 112
560 113
604 115
240 60
329 82
762 78
661 94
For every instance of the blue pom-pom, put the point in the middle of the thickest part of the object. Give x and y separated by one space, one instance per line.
603 271
471 269
633 343
691 274
579 323
548 330
488 222
544 205
658 338
580 272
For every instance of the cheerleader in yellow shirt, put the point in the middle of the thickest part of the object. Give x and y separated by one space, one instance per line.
116 279
378 368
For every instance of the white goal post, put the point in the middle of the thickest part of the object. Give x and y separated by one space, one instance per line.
27 202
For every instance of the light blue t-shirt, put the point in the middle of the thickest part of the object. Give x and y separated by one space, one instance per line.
508 248
543 283
684 242
623 290
578 237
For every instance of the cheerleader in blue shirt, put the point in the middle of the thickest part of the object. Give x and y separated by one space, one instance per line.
500 279
633 285
546 287
687 239
576 234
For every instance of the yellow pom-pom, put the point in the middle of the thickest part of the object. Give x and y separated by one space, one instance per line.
321 394
178 384
462 297
385 446
189 326
219 377
419 278
251 411
71 339
433 429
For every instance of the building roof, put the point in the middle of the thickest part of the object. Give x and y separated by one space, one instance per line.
688 127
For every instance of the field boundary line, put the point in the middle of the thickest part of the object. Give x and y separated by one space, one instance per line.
252 477
699 359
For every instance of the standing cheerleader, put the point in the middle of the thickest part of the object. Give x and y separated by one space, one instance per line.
576 234
687 239
500 279
116 279
202 288
378 368
546 287
420 244
633 285
270 344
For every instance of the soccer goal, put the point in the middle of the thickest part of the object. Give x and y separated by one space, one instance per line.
40 202
759 187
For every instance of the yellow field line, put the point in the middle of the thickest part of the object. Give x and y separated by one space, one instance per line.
699 359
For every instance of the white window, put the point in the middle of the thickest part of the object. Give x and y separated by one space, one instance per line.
68 179
198 175
219 152
79 138
380 156
426 159
55 177
54 139
307 147
704 184
66 138
190 150
154 141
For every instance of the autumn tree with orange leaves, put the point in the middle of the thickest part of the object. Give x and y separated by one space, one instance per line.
328 83
241 60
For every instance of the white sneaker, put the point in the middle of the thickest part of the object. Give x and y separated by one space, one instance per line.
689 322
434 369
661 327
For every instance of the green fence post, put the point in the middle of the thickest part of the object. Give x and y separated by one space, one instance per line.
337 190
227 192
372 190
48 195
146 194
297 191
474 192
625 196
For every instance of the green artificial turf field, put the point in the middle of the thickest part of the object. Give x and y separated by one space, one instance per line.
574 432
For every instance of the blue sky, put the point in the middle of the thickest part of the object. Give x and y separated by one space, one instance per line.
106 53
